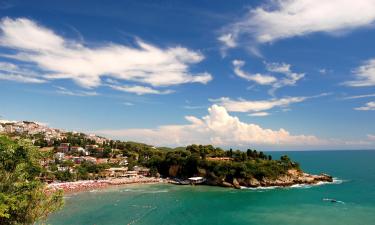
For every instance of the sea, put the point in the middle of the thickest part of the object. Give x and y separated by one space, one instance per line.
353 190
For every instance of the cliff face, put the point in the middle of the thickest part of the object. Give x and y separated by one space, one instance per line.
291 178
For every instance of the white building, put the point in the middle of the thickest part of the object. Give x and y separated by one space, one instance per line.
59 156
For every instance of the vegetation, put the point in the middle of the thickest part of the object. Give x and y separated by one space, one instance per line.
218 164
215 164
182 162
23 197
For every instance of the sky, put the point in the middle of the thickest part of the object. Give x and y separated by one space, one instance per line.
272 75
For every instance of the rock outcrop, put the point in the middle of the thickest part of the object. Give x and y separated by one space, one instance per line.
292 177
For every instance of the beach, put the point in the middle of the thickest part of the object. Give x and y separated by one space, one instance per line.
87 185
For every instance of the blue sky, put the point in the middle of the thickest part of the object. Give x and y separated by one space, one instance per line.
295 74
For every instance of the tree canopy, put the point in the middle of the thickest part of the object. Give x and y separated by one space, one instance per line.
23 196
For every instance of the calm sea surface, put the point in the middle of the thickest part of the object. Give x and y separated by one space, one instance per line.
169 204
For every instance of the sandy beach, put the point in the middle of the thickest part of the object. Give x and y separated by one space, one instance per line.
87 185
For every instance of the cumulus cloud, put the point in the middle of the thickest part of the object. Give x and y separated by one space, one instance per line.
280 19
218 128
59 58
370 106
290 78
365 75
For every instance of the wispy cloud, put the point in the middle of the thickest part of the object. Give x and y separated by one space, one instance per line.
280 19
242 105
359 96
21 78
59 58
139 90
65 91
128 103
12 72
262 79
370 106
194 107
259 114
365 75
290 78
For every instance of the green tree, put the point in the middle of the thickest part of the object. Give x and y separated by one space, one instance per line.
23 197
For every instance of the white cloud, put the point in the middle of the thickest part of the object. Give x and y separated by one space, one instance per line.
228 40
128 103
323 71
60 58
65 91
365 75
139 90
280 19
20 78
218 128
242 105
259 114
370 106
290 78
12 72
258 78
360 96
371 137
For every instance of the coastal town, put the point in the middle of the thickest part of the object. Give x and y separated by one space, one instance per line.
75 161
74 166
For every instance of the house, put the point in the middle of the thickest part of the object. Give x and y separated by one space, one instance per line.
90 159
142 170
76 149
91 147
62 168
79 149
121 161
59 156
1 128
131 174
101 160
116 172
64 147
100 150
78 160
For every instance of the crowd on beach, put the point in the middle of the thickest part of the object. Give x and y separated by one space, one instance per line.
86 185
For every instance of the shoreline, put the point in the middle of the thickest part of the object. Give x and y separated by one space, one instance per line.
89 185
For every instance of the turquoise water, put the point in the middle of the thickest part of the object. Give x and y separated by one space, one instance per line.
169 204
